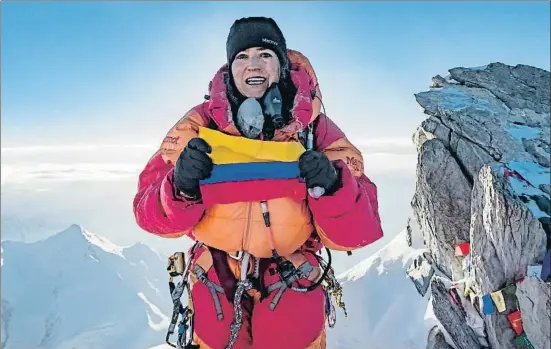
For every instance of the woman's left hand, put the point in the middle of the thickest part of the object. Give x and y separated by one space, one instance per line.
318 171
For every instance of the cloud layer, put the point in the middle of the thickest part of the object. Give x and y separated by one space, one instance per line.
115 162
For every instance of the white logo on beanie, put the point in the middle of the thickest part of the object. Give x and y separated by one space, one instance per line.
268 41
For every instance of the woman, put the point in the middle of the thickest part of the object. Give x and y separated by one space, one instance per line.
257 241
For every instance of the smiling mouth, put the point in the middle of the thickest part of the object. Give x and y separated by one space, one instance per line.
255 80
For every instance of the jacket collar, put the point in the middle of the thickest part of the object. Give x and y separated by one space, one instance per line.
219 108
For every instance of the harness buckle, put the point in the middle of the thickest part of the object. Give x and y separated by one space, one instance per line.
238 256
176 264
287 272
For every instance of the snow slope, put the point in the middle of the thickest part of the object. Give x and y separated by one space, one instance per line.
78 290
384 309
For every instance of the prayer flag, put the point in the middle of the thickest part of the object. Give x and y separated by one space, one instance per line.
462 249
487 305
522 342
515 319
510 290
499 302
534 270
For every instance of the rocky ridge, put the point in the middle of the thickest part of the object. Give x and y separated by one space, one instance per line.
482 203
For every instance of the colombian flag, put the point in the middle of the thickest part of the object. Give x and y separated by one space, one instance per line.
251 170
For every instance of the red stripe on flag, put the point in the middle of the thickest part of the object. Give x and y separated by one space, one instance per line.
254 190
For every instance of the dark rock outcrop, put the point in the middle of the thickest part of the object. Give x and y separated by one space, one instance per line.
483 178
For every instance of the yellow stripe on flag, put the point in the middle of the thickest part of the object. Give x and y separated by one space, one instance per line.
499 302
228 149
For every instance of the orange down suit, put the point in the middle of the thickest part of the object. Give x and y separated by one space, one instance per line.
344 221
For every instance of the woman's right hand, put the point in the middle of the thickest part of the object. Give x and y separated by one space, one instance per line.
192 166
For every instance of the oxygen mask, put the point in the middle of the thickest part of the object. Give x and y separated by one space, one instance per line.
265 114
250 118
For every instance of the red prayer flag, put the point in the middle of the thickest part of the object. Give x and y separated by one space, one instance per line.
515 319
462 249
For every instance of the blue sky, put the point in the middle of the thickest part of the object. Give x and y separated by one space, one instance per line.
124 72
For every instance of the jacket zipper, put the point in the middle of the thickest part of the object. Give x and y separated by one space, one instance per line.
247 227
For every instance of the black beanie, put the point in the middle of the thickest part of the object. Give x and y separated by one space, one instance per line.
257 31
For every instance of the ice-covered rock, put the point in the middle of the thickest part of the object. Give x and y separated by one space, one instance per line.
483 178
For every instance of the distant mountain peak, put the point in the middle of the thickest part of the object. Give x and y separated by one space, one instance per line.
103 243
77 230
126 305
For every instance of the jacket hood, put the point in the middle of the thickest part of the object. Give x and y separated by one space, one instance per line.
307 101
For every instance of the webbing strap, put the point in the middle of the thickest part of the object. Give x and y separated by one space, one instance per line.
303 271
282 287
213 288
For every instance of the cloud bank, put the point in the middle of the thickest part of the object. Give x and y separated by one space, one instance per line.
41 164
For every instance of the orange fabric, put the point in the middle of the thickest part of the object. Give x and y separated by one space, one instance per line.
240 226
343 150
198 341
320 342
328 242
180 134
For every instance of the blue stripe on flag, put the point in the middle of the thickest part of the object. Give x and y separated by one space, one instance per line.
253 171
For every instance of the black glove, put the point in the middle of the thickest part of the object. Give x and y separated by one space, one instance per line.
193 165
318 171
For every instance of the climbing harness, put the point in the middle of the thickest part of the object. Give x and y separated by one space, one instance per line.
177 266
288 274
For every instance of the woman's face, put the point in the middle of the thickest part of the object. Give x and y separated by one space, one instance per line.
254 70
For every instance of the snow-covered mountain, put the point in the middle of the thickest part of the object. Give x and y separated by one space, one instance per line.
78 290
75 289
384 311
